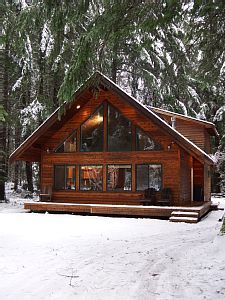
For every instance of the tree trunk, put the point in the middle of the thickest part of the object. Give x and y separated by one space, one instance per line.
29 176
3 100
16 176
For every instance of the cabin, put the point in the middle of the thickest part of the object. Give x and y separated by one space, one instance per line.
109 154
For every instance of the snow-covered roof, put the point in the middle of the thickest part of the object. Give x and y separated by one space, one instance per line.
179 115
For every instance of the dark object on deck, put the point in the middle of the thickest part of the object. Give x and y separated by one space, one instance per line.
166 197
149 197
46 194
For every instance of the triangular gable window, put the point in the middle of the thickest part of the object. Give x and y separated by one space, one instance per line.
92 132
119 131
145 143
69 145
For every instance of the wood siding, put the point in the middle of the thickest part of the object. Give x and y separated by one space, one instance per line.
207 183
196 133
169 157
185 177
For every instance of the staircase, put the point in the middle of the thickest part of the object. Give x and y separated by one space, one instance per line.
184 216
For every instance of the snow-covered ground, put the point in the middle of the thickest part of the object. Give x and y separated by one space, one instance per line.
59 256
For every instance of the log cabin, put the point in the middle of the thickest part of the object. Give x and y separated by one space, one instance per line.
108 150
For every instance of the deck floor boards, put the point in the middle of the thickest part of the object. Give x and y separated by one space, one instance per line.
107 209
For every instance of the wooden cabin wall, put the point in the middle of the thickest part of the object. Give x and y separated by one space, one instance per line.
169 157
170 179
194 132
207 183
207 146
185 177
198 172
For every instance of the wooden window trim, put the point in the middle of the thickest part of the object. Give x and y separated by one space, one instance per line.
106 179
148 164
65 190
131 123
93 165
80 129
135 142
60 153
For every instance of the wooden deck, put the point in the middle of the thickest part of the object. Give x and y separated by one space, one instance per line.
124 210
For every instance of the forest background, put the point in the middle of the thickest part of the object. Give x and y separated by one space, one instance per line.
169 54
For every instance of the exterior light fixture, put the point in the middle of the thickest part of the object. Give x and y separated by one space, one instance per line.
170 146
78 106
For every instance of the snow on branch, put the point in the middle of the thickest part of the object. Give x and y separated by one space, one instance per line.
219 114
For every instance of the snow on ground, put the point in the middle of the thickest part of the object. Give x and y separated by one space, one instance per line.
59 256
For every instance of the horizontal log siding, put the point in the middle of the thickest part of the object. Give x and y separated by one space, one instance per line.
207 183
194 132
185 177
169 163
168 158
198 173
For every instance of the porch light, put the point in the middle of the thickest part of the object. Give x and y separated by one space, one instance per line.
78 106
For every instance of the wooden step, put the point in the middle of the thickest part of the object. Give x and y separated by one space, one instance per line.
189 214
184 219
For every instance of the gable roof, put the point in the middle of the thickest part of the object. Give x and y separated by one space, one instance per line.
54 122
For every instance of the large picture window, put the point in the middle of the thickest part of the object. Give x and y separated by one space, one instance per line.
149 176
119 178
64 177
69 145
119 131
144 142
92 133
91 178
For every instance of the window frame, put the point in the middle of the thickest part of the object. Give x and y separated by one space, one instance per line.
89 117
148 135
90 191
65 177
148 164
114 191
74 131
107 122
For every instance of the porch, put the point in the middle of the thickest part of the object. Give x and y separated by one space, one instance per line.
192 213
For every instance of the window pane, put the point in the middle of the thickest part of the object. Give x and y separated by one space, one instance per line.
142 177
155 177
119 131
149 176
70 177
119 178
91 178
145 142
59 180
69 145
92 133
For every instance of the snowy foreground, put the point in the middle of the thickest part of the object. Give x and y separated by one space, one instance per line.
50 256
